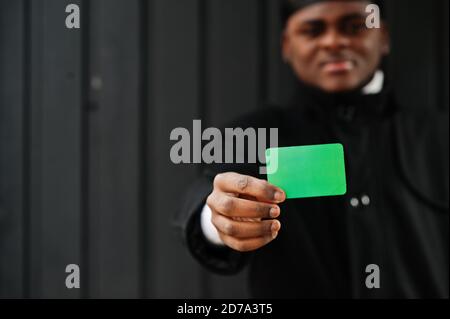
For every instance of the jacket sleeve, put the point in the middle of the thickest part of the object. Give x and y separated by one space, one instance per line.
423 153
221 260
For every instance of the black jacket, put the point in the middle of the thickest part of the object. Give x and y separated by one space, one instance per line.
397 157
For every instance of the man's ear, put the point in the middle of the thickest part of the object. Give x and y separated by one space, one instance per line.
386 49
285 47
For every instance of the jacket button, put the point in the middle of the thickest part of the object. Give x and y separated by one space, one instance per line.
365 200
354 202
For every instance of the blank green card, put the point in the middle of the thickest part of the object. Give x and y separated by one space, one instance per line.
308 171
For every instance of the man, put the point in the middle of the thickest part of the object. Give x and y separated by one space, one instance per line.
395 212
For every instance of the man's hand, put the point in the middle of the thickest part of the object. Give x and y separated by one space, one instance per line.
244 209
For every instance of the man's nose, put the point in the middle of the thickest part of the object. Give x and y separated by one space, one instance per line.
334 40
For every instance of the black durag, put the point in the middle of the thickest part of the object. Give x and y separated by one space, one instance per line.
289 7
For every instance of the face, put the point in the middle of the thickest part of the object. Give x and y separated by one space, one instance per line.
329 46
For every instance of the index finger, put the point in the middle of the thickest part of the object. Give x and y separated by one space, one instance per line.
250 186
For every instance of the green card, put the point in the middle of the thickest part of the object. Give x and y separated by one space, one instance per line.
308 171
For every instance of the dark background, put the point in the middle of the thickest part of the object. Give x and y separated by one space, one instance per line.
85 118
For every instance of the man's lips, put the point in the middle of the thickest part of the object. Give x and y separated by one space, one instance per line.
338 66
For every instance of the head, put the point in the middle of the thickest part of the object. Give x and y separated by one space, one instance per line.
329 46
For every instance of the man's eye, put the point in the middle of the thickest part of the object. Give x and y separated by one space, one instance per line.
353 28
311 31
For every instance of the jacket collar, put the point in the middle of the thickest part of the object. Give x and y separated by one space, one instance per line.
368 102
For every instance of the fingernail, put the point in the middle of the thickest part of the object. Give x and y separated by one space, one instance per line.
275 227
279 196
274 213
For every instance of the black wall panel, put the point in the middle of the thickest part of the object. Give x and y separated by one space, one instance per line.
55 148
174 95
114 149
13 112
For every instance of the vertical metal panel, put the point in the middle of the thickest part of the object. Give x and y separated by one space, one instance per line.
12 112
414 58
272 46
114 150
280 78
233 66
442 51
233 59
56 146
174 102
